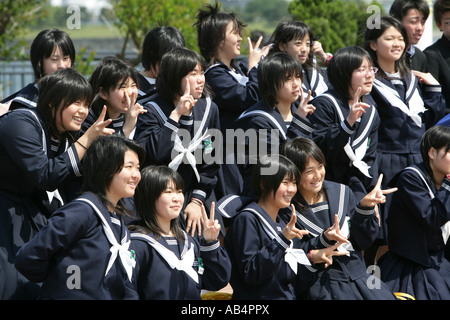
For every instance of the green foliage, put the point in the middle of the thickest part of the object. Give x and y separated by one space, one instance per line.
135 18
271 11
339 23
15 15
84 61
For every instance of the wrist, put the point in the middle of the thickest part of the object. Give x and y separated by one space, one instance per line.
197 201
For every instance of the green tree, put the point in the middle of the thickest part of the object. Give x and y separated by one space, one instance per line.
135 18
15 16
339 23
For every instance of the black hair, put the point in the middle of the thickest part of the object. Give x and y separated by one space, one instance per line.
157 42
174 66
104 158
44 45
273 72
439 8
291 30
264 183
109 74
211 25
399 8
56 92
154 180
372 35
436 137
341 67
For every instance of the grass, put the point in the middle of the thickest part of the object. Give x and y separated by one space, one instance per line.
86 31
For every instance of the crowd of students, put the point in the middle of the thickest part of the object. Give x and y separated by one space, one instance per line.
127 185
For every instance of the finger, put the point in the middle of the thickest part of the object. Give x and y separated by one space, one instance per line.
257 44
357 95
336 222
380 179
339 253
187 89
308 97
387 191
250 45
212 211
102 115
204 216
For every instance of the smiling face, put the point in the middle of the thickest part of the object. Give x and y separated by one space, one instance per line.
311 180
72 117
231 46
439 162
116 98
285 192
414 22
362 77
169 204
56 61
125 181
390 46
297 48
196 80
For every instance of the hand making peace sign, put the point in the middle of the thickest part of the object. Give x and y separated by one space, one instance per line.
211 227
357 108
290 231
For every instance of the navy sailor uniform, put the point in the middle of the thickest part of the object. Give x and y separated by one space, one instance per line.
313 80
168 269
418 229
267 123
83 253
34 176
346 278
26 97
234 92
350 151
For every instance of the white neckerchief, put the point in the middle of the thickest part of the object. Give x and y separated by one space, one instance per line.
416 105
55 193
117 250
187 256
359 153
193 144
446 227
292 256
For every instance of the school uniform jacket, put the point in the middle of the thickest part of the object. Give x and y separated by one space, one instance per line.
399 131
178 271
116 124
417 221
350 151
157 133
360 223
266 123
26 97
313 80
438 61
83 253
145 88
262 268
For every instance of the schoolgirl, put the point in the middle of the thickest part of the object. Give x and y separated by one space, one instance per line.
330 213
181 122
219 41
275 115
418 223
347 121
405 110
157 42
265 262
115 85
170 264
83 253
40 156
51 50
296 38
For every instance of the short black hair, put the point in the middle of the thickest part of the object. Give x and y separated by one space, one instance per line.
174 66
157 42
341 67
436 137
59 90
273 72
43 46
439 8
399 9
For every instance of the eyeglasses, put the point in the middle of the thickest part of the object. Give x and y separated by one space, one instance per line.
365 71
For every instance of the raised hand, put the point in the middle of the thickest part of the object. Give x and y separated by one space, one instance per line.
334 232
290 231
134 110
304 107
376 195
211 227
186 102
326 255
357 108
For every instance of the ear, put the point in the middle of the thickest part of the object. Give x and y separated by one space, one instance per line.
439 25
432 153
282 47
373 45
102 93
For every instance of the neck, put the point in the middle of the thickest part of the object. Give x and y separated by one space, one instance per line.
285 110
149 73
269 208
387 66
165 227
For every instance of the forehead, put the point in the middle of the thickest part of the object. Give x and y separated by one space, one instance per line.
391 31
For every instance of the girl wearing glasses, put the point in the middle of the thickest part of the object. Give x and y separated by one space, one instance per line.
347 123
408 101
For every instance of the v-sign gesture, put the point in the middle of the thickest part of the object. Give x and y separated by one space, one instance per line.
334 232
185 103
290 231
211 227
304 108
357 108
376 195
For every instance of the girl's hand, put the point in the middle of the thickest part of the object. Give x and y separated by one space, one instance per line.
134 110
185 104
326 255
98 128
254 54
290 231
334 232
304 108
376 195
318 51
357 108
193 216
426 78
211 227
